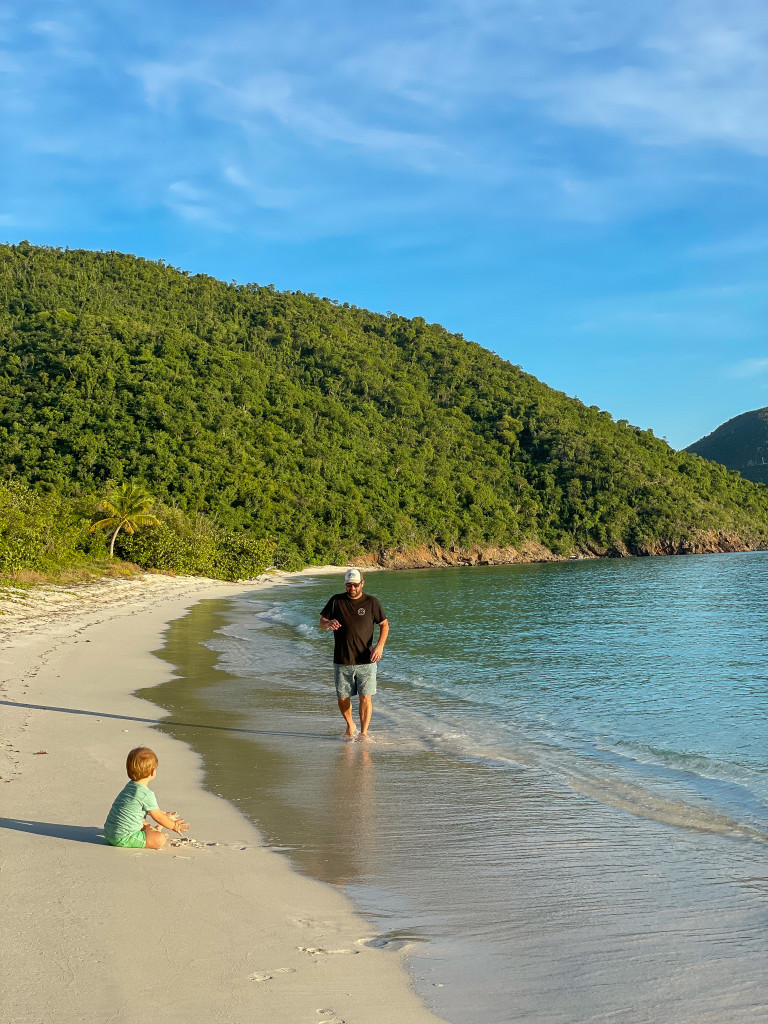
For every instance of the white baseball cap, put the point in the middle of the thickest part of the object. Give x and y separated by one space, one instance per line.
353 576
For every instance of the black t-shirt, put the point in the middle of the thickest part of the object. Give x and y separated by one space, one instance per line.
352 643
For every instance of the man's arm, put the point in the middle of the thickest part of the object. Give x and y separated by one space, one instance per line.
378 650
327 616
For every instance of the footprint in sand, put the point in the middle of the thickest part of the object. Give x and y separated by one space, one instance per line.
308 922
270 975
320 951
394 942
330 1017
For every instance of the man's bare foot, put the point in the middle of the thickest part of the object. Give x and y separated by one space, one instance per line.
366 736
350 734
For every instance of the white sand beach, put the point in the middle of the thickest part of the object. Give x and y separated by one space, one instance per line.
215 927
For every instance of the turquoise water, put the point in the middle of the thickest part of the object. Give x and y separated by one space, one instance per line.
564 812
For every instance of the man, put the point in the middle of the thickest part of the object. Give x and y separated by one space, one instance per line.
351 616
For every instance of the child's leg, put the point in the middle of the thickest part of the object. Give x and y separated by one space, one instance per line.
156 838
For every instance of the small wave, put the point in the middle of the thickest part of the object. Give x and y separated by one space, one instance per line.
729 783
414 730
232 632
283 615
277 615
643 803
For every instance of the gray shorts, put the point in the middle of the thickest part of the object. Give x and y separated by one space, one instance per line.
354 680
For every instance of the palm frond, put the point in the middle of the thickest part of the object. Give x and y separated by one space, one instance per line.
103 524
109 508
145 519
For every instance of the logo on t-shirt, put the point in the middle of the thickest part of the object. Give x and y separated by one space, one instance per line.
361 611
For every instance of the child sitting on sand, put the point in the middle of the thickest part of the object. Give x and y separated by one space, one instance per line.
125 825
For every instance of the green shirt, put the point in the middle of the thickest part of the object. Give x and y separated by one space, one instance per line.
129 810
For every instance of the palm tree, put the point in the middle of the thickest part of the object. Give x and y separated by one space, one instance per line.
126 510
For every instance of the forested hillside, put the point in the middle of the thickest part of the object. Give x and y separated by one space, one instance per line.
327 428
741 444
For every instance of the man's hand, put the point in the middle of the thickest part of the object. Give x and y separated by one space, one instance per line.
378 650
333 624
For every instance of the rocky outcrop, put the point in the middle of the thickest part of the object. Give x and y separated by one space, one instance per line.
706 542
434 556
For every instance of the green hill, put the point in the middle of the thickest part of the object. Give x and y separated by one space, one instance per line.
741 444
332 430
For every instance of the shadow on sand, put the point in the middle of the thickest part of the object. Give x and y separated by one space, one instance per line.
76 833
169 721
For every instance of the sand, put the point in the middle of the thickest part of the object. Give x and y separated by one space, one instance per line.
216 927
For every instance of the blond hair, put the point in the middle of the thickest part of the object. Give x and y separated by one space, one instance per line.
140 763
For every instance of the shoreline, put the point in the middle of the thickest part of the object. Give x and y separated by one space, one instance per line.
215 926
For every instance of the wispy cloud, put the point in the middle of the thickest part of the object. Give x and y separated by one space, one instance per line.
69 39
748 243
194 205
235 176
204 215
163 82
184 191
481 92
664 74
749 368
261 195
719 313
494 102
290 100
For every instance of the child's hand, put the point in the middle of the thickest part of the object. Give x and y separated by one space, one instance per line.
180 825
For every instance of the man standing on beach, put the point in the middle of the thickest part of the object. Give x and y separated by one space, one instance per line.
351 616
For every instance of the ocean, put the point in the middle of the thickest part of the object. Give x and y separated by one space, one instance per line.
563 817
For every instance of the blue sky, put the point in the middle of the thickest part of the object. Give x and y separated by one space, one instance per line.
580 187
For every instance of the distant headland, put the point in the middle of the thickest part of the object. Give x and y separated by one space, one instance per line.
740 444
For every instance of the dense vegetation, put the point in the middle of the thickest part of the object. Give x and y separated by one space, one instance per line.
326 429
45 532
741 444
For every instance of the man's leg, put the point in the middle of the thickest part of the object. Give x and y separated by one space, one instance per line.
343 676
366 710
345 707
365 676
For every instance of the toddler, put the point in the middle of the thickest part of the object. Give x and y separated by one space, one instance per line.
125 824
